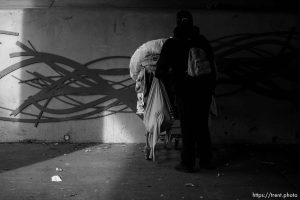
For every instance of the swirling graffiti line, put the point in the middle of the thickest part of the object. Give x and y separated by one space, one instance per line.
266 63
245 62
9 33
68 85
2 32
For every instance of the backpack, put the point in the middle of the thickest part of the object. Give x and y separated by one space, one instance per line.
198 63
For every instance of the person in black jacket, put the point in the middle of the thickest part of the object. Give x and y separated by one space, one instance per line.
192 94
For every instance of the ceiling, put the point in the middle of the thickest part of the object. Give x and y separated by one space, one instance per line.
269 5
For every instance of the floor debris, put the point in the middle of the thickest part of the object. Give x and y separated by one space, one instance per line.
268 163
189 185
58 169
56 178
220 174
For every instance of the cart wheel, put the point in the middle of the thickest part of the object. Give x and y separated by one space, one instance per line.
166 141
176 143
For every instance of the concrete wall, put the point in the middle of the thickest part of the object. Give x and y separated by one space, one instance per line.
82 44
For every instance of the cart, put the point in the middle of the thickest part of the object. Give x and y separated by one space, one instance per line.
142 70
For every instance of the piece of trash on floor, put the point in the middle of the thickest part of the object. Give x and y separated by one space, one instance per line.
88 150
56 143
58 169
268 163
56 178
107 180
283 172
67 137
220 174
189 185
104 147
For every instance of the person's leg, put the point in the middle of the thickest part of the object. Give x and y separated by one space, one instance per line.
203 136
204 146
188 134
147 148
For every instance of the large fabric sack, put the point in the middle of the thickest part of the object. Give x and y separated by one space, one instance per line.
158 115
143 53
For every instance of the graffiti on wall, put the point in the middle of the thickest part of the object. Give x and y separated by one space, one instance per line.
8 33
72 81
265 63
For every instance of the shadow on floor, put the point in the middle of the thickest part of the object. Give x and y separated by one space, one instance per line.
17 155
119 171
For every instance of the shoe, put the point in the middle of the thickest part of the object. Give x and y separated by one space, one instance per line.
183 168
147 151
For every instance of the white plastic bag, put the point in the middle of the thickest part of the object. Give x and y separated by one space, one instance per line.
158 115
56 178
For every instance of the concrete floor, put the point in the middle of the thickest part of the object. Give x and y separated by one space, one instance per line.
119 171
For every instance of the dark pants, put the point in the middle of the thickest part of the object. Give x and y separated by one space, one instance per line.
193 106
